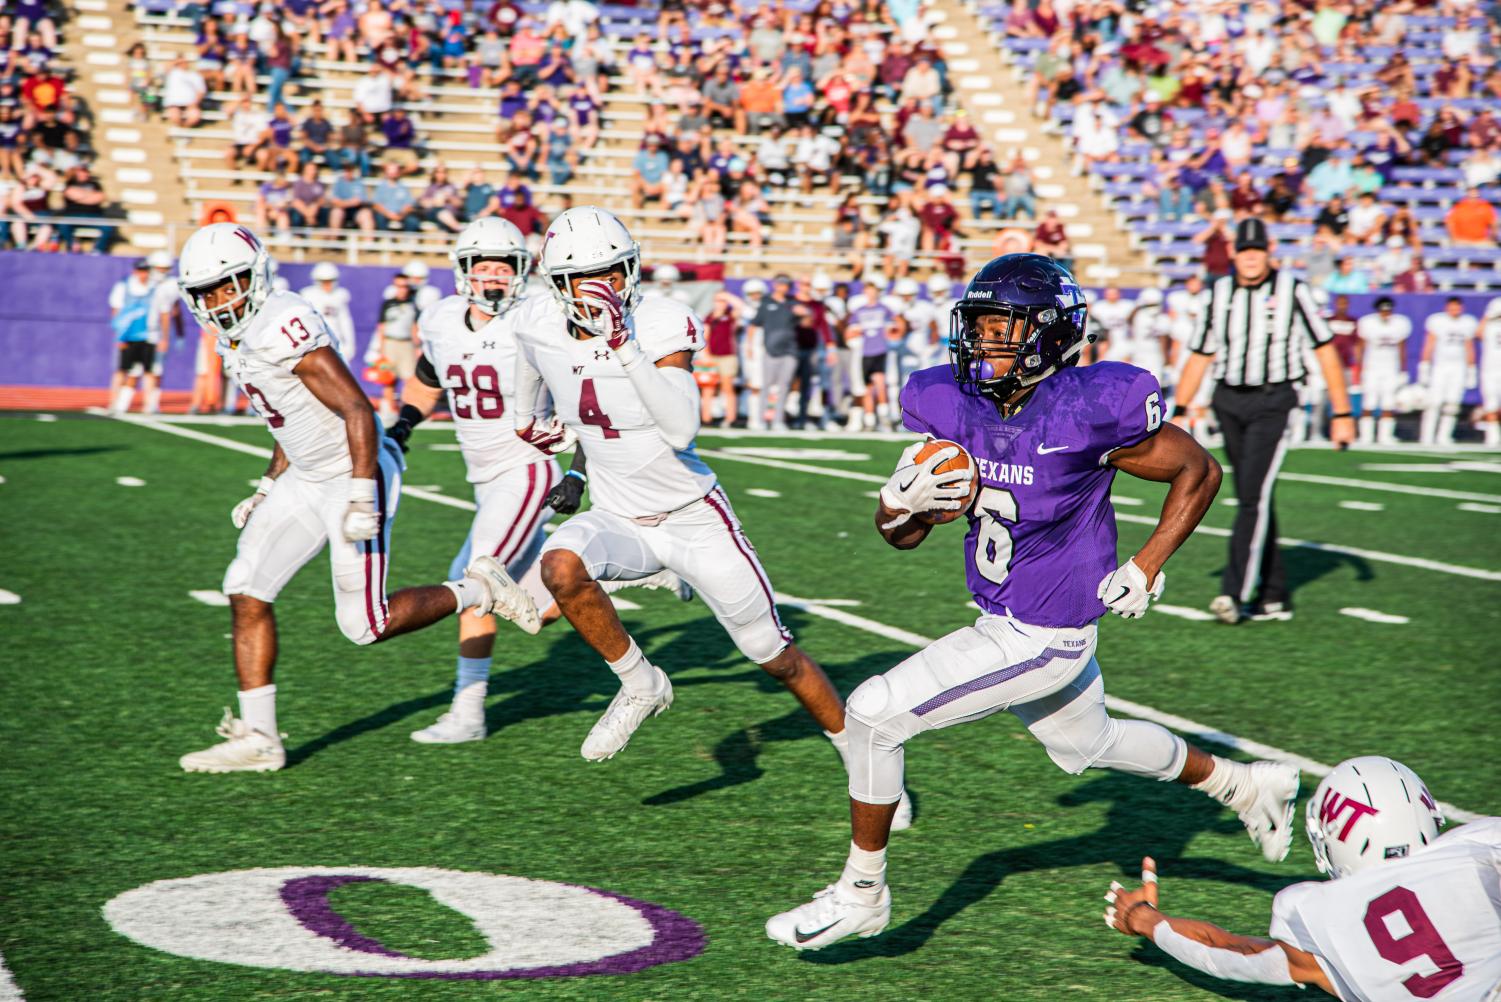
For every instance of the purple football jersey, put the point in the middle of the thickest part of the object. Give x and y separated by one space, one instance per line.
1042 530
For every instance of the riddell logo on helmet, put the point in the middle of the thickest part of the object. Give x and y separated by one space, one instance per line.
1334 804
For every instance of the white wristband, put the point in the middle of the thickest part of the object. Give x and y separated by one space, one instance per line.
630 353
264 487
361 489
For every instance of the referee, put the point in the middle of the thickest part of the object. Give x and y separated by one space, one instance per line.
1257 327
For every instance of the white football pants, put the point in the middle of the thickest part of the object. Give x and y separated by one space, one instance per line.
1047 677
511 511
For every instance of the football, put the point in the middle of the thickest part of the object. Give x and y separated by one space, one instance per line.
958 463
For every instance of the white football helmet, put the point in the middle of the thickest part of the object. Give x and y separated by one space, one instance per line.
1368 810
490 237
754 287
940 286
159 260
325 271
416 270
1150 296
666 274
821 283
218 252
587 240
905 287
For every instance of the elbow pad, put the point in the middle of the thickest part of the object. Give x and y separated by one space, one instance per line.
1269 967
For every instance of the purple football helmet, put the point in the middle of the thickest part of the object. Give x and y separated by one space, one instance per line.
1022 308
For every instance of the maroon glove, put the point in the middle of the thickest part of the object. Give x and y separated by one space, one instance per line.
614 324
549 436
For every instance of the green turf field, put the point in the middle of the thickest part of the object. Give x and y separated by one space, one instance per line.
731 806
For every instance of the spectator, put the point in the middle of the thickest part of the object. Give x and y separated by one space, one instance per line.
349 201
374 93
710 215
647 173
750 213
273 203
983 197
183 91
479 197
1152 124
441 202
281 130
31 16
12 142
923 84
317 134
797 98
278 57
240 60
813 156
922 131
1414 279
584 110
960 142
722 336
393 205
1348 279
1243 193
1335 216
900 230
309 205
1050 238
939 220
212 53
641 66
1021 198
1482 168
145 82
773 156
1367 220
401 140
722 100
351 146
761 101
1394 259
1217 241
83 195
339 26
1471 221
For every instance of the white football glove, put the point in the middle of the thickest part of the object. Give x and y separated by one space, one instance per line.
241 514
361 519
1125 593
915 487
551 436
612 323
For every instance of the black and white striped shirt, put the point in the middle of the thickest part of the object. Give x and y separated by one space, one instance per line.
1257 333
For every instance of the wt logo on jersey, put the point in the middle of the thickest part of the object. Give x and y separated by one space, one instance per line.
283 918
1334 805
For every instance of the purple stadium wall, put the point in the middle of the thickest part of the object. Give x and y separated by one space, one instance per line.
54 316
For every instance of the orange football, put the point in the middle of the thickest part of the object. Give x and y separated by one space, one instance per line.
959 462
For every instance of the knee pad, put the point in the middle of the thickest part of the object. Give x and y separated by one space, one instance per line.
1068 755
762 640
360 621
869 703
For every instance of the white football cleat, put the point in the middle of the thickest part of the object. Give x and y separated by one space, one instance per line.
1273 798
505 598
902 819
452 729
242 750
626 712
666 580
828 918
1225 609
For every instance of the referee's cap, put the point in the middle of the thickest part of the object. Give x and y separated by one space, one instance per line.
1250 234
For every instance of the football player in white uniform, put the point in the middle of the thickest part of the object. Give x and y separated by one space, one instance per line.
620 372
1490 372
333 479
1186 309
1406 913
1112 318
469 353
332 303
1149 333
1447 369
1382 370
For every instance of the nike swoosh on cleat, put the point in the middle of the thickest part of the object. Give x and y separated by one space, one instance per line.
803 937
1043 450
865 883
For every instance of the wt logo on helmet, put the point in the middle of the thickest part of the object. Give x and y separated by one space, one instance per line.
1334 804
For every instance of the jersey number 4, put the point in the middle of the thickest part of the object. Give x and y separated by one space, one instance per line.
483 383
590 412
1421 940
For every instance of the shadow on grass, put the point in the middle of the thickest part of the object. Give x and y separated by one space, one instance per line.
82 450
1304 566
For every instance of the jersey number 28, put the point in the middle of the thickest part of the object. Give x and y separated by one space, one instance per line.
483 382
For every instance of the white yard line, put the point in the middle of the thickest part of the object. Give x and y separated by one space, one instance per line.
9 597
1183 612
130 481
9 990
209 596
1484 509
1372 616
1381 485
762 492
1181 724
1362 506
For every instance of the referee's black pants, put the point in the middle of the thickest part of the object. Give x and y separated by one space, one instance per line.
1254 421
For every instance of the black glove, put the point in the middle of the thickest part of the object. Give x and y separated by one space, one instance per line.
400 432
567 495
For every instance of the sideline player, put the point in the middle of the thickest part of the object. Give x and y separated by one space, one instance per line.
1490 372
469 352
1186 308
333 479
1382 366
131 302
1040 560
620 372
1447 369
331 300
1406 913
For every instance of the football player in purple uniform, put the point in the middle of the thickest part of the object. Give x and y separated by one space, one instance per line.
1046 438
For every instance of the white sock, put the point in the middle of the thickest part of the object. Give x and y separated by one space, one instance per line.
636 674
841 742
1367 430
1228 782
1492 432
122 402
153 401
258 709
1386 430
864 874
471 686
1446 429
470 592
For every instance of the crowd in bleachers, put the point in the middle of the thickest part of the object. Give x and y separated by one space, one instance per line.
45 148
1363 132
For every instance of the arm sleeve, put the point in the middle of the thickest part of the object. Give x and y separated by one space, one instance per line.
528 384
1313 321
1129 415
426 374
1269 967
670 396
1206 340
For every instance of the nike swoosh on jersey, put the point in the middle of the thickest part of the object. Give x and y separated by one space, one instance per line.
1043 450
803 937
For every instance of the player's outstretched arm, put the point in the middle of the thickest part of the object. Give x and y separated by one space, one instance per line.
418 398
1172 457
1205 946
326 376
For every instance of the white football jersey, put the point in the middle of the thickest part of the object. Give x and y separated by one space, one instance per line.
1147 327
478 371
334 308
632 470
1490 337
1428 926
1450 335
164 298
920 316
285 330
1384 338
1113 317
1187 312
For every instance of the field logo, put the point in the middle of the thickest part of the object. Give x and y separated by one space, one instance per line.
281 918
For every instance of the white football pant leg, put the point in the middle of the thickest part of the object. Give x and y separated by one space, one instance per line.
611 548
510 512
285 531
359 569
968 674
1073 726
705 546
